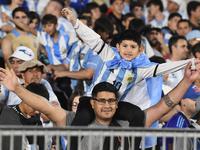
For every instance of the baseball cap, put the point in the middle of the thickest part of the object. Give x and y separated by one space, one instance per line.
192 93
148 28
194 34
23 53
30 64
177 1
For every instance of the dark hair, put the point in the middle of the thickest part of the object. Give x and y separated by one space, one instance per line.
157 59
127 16
61 2
196 48
34 15
156 2
183 20
104 87
91 6
85 11
71 98
134 4
89 22
38 89
103 24
49 19
22 9
172 15
137 25
130 35
112 1
192 6
173 41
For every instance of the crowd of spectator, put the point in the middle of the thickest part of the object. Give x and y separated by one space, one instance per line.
81 52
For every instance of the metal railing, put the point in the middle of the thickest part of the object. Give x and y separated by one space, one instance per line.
80 132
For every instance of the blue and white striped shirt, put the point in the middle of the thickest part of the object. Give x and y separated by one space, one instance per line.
57 52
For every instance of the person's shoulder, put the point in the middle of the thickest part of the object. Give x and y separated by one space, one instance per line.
123 123
173 122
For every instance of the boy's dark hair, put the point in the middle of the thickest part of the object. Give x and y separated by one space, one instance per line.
112 1
34 15
196 48
38 89
192 6
156 2
134 4
22 9
91 6
85 11
173 41
103 24
183 20
104 87
71 98
172 15
49 19
137 25
89 22
61 2
127 16
130 35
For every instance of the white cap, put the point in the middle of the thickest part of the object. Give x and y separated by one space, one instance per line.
23 53
177 2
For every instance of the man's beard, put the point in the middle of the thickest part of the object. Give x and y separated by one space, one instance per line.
153 44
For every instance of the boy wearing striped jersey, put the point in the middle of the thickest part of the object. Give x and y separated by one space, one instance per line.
125 65
57 43
80 64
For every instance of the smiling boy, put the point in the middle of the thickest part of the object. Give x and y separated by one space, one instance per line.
125 65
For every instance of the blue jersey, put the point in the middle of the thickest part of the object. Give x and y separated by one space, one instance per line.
57 52
159 24
78 5
176 121
82 57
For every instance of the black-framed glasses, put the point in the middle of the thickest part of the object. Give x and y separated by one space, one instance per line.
102 101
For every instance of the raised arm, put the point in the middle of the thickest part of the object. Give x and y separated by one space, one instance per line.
19 24
91 38
166 68
155 112
55 113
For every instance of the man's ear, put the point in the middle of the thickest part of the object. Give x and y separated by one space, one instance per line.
92 103
197 54
117 103
117 46
173 48
141 48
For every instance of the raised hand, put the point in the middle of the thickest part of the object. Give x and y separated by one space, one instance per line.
70 16
9 80
190 74
5 17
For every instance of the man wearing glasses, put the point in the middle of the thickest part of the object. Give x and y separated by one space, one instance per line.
104 105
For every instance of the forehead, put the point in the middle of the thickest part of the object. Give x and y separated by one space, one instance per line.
20 13
16 59
118 1
175 18
106 95
34 68
129 42
183 24
181 42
